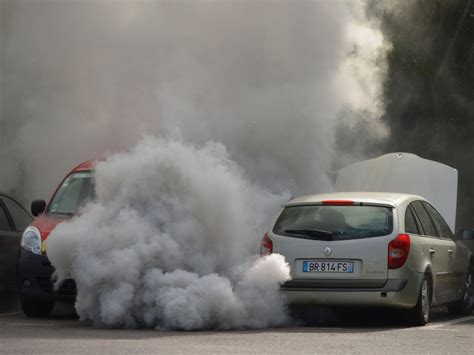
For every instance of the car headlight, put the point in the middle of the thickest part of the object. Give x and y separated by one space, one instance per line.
31 240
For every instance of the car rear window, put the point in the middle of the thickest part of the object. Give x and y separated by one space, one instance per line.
335 222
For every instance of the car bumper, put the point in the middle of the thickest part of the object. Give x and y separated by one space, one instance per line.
34 274
395 293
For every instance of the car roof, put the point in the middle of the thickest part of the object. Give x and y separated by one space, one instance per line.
387 198
87 165
8 195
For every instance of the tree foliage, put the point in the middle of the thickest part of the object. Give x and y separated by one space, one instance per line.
430 90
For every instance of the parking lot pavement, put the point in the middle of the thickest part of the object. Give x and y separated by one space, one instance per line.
63 333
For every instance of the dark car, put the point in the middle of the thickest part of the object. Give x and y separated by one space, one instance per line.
36 288
13 221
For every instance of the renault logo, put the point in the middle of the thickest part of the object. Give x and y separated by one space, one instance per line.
327 251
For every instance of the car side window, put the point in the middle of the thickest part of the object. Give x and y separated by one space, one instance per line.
411 225
4 223
443 229
20 217
425 219
417 220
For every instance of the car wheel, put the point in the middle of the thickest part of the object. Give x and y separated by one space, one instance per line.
420 314
34 308
465 304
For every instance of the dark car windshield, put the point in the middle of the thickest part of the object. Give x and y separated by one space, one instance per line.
76 190
334 222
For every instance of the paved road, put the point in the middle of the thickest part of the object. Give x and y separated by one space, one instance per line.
333 333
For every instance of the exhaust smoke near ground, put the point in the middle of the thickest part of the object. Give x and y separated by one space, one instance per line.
246 98
169 243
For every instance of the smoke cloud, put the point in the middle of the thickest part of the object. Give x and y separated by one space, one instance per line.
83 79
245 97
169 243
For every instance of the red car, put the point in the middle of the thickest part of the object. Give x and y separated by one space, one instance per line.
34 270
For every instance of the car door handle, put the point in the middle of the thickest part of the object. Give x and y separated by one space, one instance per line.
450 251
432 251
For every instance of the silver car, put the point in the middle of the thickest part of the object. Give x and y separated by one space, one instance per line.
374 250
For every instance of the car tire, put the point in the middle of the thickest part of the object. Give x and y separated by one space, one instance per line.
34 308
420 314
464 306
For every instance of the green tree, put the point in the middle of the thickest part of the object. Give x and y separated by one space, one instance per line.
430 90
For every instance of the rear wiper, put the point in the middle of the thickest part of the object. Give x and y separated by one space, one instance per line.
312 233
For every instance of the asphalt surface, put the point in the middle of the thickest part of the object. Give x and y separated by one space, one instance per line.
343 331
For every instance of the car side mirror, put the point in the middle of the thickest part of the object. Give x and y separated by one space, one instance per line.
38 207
464 234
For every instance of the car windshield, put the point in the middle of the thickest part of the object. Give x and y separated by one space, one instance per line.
334 222
76 190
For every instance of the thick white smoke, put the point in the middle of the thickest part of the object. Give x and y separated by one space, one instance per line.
268 79
172 238
169 243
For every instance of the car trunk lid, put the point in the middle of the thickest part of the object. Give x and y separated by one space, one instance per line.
350 253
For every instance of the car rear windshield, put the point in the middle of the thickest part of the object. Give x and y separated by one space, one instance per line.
76 190
334 222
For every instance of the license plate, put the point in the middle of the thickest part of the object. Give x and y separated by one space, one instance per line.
328 266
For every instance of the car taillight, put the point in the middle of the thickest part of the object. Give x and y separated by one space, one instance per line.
398 250
266 245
